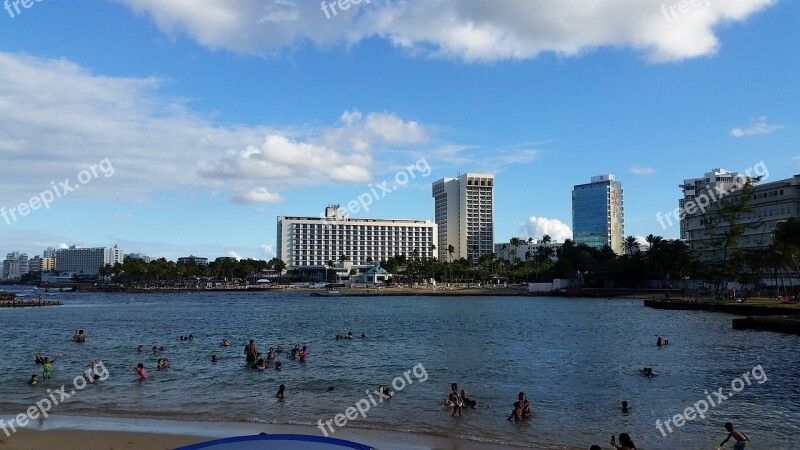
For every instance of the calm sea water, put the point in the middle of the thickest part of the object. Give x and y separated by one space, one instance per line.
576 359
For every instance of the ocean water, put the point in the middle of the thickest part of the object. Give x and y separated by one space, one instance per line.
576 359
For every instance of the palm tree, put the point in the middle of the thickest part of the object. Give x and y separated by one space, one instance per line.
546 239
631 245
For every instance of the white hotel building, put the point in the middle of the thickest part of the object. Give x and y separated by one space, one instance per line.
313 241
86 261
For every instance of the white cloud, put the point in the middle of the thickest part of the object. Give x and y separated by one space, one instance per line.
60 118
642 171
757 126
258 195
269 251
470 30
536 227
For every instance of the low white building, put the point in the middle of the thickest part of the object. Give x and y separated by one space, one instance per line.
314 241
87 261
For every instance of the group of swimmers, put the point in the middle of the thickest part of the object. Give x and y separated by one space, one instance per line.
457 400
256 361
522 409
349 335
79 336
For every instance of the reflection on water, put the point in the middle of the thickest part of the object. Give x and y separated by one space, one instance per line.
576 359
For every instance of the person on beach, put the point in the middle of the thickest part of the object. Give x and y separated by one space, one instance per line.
139 369
516 413
250 352
625 442
281 395
34 380
47 368
741 439
525 404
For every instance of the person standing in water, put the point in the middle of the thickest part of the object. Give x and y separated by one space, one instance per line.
741 439
281 395
251 352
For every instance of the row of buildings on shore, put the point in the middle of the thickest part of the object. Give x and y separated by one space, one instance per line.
63 264
463 226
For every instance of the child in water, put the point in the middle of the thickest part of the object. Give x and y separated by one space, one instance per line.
47 368
741 439
139 369
516 414
34 380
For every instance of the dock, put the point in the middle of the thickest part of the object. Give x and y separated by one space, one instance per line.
755 308
778 324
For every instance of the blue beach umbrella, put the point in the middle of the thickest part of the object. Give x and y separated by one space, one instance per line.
278 442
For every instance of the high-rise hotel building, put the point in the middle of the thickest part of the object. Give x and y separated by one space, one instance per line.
598 213
313 241
465 215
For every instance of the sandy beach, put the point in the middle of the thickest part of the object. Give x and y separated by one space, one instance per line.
79 433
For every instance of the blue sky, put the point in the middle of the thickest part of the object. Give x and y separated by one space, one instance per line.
220 116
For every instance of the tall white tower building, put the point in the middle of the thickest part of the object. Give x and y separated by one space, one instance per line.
464 213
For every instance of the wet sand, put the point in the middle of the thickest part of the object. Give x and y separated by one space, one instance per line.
80 433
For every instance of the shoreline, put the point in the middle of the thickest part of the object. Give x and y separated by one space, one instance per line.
143 434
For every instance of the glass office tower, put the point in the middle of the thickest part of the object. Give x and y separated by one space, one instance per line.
598 213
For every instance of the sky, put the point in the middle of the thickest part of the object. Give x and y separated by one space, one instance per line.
172 127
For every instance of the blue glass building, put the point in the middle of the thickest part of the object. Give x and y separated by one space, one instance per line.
598 213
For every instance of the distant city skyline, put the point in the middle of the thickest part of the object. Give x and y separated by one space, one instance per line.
164 130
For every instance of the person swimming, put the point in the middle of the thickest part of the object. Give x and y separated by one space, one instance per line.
39 358
471 403
47 368
658 342
363 335
155 349
279 349
78 336
214 357
140 348
259 365
385 392
139 369
281 392
516 413
303 355
648 372
225 342
34 380
525 404
277 365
